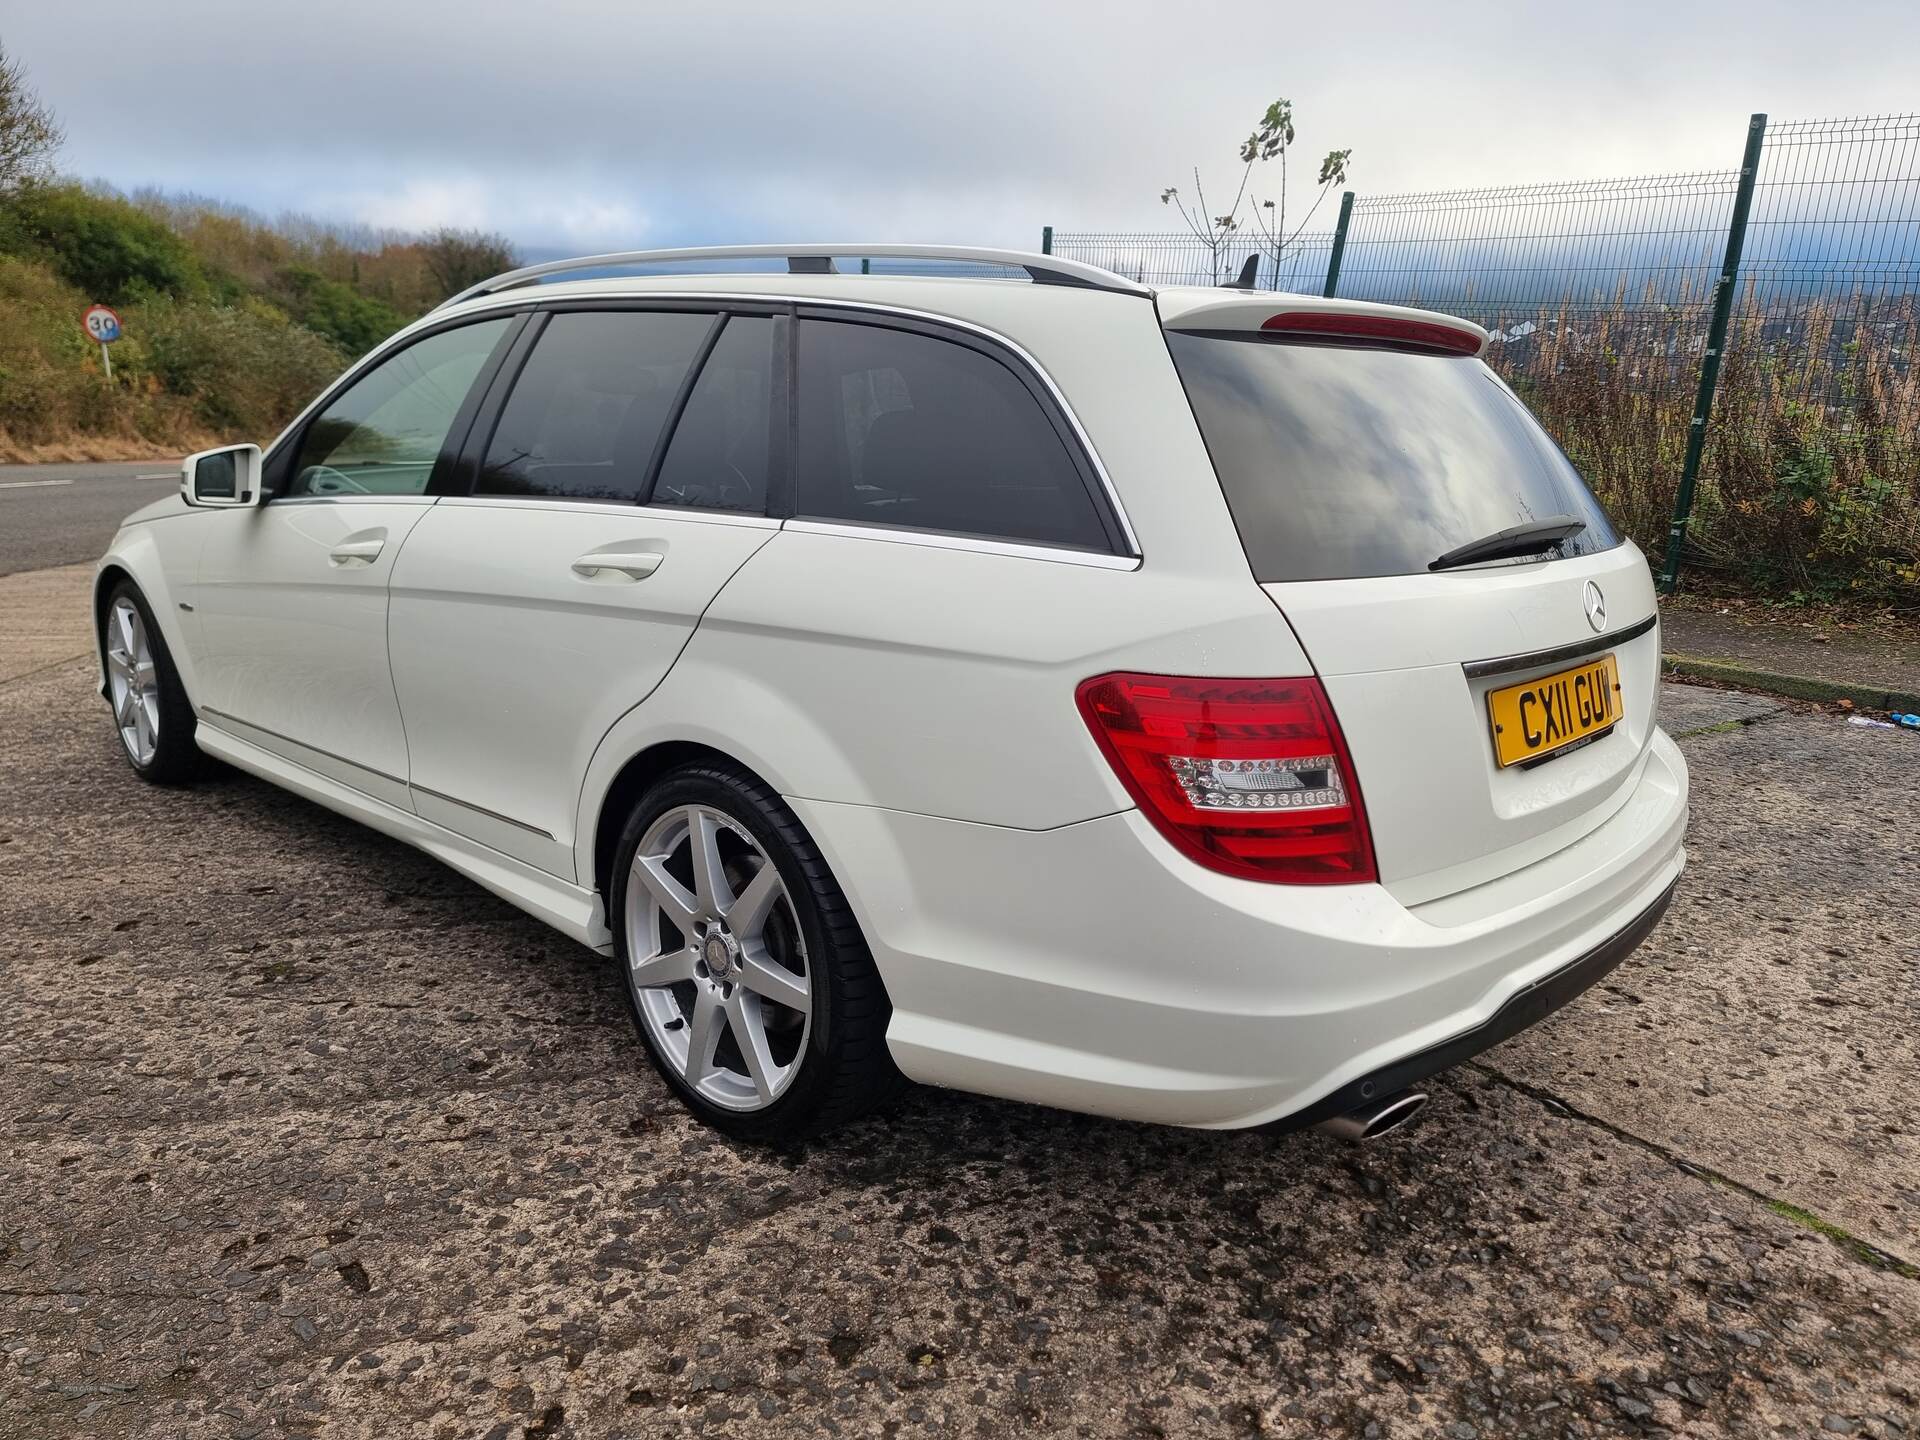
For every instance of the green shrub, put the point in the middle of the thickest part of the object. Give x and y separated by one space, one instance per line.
352 321
100 244
246 369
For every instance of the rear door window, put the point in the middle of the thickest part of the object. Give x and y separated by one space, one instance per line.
590 403
718 457
902 428
1340 461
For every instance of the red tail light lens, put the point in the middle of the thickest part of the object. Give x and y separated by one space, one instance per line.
1248 777
1388 329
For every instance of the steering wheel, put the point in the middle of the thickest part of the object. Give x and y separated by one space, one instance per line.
325 480
735 489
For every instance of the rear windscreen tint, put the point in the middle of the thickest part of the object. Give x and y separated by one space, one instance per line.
1341 461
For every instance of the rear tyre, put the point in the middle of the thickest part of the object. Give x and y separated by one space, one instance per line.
151 713
747 976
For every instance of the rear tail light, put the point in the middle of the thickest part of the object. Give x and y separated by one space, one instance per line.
1248 777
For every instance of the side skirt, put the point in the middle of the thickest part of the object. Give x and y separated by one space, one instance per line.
572 911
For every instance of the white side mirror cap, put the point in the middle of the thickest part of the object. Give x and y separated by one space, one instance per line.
228 476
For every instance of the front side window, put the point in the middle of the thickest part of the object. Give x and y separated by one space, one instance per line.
588 408
382 434
901 428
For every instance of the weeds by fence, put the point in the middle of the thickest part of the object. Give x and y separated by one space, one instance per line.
1599 298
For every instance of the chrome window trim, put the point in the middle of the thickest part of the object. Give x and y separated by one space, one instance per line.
420 498
907 535
613 507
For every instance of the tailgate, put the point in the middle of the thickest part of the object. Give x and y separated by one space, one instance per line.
1432 548
1410 662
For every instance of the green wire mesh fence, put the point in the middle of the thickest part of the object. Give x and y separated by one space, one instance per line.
1600 300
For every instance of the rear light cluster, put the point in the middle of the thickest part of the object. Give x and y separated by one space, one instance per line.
1248 777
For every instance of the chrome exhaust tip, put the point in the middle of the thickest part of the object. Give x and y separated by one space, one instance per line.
1375 1118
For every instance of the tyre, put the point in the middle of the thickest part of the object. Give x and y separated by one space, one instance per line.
748 979
151 713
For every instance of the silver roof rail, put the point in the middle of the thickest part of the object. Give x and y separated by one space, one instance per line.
818 260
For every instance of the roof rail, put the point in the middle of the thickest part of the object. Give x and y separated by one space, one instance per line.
818 259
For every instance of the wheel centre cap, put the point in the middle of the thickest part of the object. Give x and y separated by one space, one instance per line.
718 953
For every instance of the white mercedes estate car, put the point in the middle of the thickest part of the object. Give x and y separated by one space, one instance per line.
1204 706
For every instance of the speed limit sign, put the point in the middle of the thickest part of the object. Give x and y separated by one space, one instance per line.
101 323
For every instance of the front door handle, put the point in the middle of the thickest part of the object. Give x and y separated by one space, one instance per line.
356 552
633 564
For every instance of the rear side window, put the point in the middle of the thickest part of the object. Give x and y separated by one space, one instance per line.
1341 461
900 428
717 459
588 408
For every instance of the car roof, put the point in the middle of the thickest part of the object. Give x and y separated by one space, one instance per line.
1048 286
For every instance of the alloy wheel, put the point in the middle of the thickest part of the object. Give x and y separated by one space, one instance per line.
717 961
133 682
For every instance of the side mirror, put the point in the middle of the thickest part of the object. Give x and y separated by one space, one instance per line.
228 476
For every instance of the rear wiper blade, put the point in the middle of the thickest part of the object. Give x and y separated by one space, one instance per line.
1528 539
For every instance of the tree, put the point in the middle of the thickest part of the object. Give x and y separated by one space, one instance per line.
1271 139
462 258
29 134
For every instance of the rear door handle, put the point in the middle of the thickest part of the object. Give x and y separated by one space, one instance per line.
356 552
633 564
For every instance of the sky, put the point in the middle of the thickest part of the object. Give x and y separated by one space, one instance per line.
577 125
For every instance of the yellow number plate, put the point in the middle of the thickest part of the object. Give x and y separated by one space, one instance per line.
1545 716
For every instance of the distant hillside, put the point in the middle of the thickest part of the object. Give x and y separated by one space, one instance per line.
232 321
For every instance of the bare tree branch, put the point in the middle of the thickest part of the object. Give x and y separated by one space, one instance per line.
29 134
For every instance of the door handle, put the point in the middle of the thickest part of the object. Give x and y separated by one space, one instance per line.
634 564
355 552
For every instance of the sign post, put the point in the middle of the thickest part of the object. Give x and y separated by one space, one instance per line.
103 325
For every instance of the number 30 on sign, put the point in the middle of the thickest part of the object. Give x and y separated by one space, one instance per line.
101 323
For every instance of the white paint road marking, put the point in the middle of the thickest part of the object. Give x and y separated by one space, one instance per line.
69 479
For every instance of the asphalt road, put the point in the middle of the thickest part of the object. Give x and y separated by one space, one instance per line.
61 514
301 1134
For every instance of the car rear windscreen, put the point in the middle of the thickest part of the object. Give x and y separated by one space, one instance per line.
1340 461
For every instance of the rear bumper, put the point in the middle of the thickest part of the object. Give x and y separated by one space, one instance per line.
1094 968
1528 1006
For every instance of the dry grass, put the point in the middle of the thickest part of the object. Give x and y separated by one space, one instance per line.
1810 485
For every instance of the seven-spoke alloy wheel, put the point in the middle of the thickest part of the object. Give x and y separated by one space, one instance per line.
133 682
151 711
748 978
716 958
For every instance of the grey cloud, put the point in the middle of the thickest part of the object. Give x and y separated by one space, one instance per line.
607 123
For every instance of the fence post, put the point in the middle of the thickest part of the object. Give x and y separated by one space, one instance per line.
1710 361
1046 239
1339 244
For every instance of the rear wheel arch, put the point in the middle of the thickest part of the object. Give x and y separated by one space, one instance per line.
632 781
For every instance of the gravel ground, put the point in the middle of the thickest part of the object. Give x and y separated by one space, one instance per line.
304 1135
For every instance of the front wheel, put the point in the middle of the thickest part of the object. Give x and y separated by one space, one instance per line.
748 979
150 707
